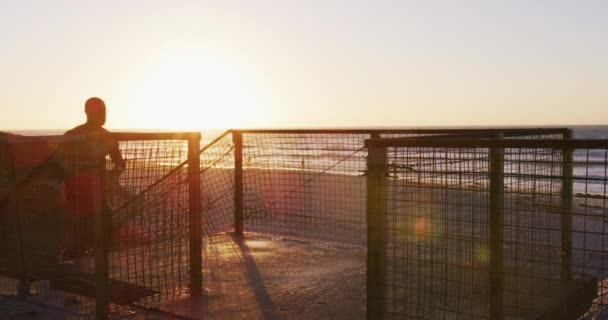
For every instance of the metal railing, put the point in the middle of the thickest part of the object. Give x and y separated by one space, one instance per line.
329 187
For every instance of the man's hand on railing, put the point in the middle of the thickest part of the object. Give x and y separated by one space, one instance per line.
113 178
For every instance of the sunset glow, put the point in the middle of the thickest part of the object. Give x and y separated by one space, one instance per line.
198 88
201 64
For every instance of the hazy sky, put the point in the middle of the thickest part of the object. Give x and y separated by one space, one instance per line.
194 64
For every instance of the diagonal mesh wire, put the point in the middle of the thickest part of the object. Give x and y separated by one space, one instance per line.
305 185
149 205
153 248
217 185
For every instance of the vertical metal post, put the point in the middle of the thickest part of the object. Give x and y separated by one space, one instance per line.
195 219
102 238
23 286
496 231
566 206
237 138
376 229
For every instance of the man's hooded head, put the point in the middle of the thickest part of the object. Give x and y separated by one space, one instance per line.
95 109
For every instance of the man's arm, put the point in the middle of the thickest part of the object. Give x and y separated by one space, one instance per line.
116 156
113 151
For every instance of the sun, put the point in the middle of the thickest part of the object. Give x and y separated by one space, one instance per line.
197 89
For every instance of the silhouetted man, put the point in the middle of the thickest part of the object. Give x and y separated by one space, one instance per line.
86 177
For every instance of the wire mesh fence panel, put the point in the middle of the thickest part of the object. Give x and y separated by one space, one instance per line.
217 185
532 228
305 185
589 216
149 233
152 251
308 184
437 234
147 162
55 187
547 235
311 183
441 205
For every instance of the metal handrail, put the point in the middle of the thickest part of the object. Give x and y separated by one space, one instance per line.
496 143
171 172
121 136
508 131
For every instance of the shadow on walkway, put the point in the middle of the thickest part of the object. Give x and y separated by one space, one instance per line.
255 279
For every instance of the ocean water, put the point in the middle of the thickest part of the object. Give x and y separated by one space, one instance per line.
338 154
590 166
